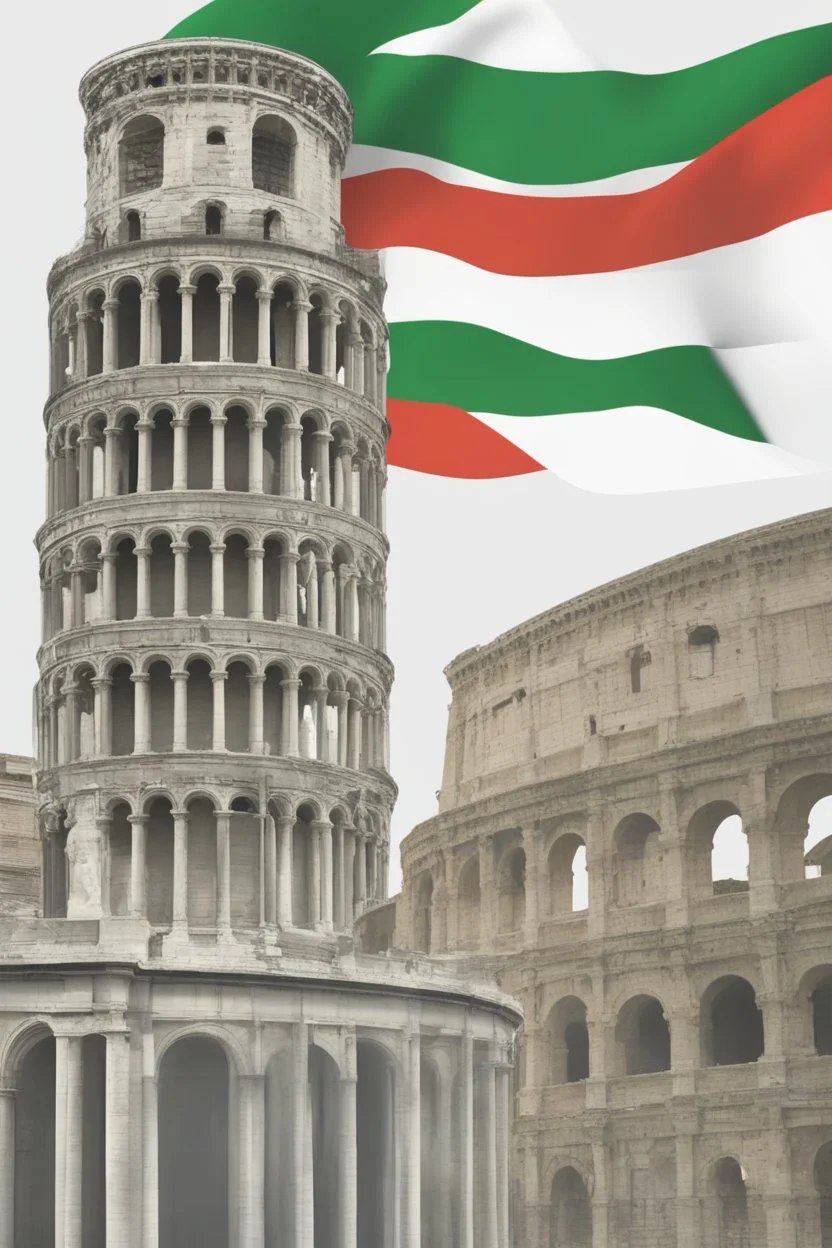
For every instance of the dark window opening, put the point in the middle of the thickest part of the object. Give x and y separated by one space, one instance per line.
271 225
577 1052
822 1018
142 156
216 138
272 150
134 227
156 80
213 219
736 1025
705 635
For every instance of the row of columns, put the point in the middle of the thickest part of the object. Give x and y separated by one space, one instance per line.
355 484
362 739
249 1180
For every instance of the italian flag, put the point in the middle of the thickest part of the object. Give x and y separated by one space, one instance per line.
621 277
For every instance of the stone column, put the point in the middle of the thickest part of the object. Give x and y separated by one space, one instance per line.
264 347
321 440
150 1145
72 725
489 1106
291 483
7 1168
445 1160
142 582
315 875
187 297
289 732
321 741
329 321
256 744
108 584
270 872
103 715
224 871
600 1195
180 580
413 1144
180 711
252 1162
69 1139
117 1140
327 620
688 1231
349 875
255 556
345 455
466 1137
112 434
285 825
180 452
301 309
180 869
289 579
354 734
339 888
147 349
255 455
81 354
324 829
141 717
372 869
348 1152
218 424
86 446
301 1177
144 430
351 609
226 294
219 679
138 865
360 877
503 1076
110 360
217 578
340 699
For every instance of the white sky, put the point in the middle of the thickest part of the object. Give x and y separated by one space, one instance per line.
468 559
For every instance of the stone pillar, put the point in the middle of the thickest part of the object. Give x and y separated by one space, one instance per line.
348 1153
339 911
69 1139
108 584
219 679
180 711
466 1137
327 620
218 424
186 294
103 715
180 580
321 737
596 867
252 1162
503 1076
264 347
360 879
226 294
301 1177
688 1230
112 434
142 582
324 831
353 619
285 826
72 726
446 1161
289 578
270 872
413 1144
600 1195
150 1145
289 733
224 871
147 348
340 699
321 441
81 354
138 865
315 875
7 1168
86 445
301 309
329 321
110 358
117 1140
180 869
345 461
217 579
255 556
487 1074
291 474
354 734
141 716
255 455
144 430
180 452
256 744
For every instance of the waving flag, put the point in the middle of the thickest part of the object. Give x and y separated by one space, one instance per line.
622 277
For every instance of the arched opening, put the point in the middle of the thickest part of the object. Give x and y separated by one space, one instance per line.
731 1198
636 861
213 219
375 1130
272 156
571 1212
245 863
237 701
245 320
142 155
122 697
134 227
732 1023
316 335
126 455
34 1147
159 858
821 1003
283 326
817 847
215 137
273 710
307 725
235 573
161 576
121 850
125 572
568 891
273 593
200 449
161 708
273 451
324 1087
309 474
194 1145
729 857
368 377
512 882
803 824
302 877
423 917
468 905
823 1184
199 574
161 453
569 1040
206 319
717 851
169 314
202 864
272 226
129 324
236 449
643 1037
95 334
85 713
200 705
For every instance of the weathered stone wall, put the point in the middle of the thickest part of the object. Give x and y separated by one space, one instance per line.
20 860
676 1068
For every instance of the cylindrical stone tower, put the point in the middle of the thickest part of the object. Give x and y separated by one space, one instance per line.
213 562
193 1052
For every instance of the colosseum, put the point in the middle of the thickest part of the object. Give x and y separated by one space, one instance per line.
194 1052
631 838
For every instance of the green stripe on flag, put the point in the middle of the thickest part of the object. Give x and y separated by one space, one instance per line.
480 370
534 128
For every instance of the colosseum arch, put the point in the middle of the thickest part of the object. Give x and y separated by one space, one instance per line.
567 870
728 1206
636 860
814 998
803 824
511 882
469 904
823 1186
570 1210
731 1023
716 850
568 1038
423 917
642 1036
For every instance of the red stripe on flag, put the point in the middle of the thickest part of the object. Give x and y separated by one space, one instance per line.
774 170
449 442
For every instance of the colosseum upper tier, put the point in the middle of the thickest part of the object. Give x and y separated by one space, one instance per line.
611 767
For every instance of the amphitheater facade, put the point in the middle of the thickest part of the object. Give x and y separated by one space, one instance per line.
675 1078
193 1052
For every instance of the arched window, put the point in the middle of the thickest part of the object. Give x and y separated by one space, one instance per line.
823 1184
272 156
34 1146
468 903
271 225
731 1204
142 155
716 850
643 1035
213 219
570 1224
732 1023
513 891
376 1096
215 137
134 227
817 847
568 890
129 324
423 915
821 1002
569 1040
636 861
803 828
701 650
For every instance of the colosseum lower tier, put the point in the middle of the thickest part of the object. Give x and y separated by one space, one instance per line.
633 834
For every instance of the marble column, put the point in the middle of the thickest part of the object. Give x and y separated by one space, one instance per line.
218 424
218 680
285 827
301 309
255 556
413 1144
117 1140
180 711
144 474
69 1139
264 349
255 426
142 554
138 865
223 871
180 868
141 715
110 354
251 1160
270 872
150 1143
466 1137
217 578
302 1179
324 828
180 452
256 744
180 580
348 1161
289 734
226 294
6 1168
186 294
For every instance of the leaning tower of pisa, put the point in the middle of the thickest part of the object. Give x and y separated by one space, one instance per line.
192 1052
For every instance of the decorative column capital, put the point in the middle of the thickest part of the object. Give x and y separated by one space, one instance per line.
322 435
218 419
180 814
290 684
137 821
109 556
145 424
110 304
186 289
150 296
264 296
225 288
142 552
180 422
219 676
256 678
255 552
340 697
180 675
180 548
112 431
140 678
300 305
217 548
101 682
